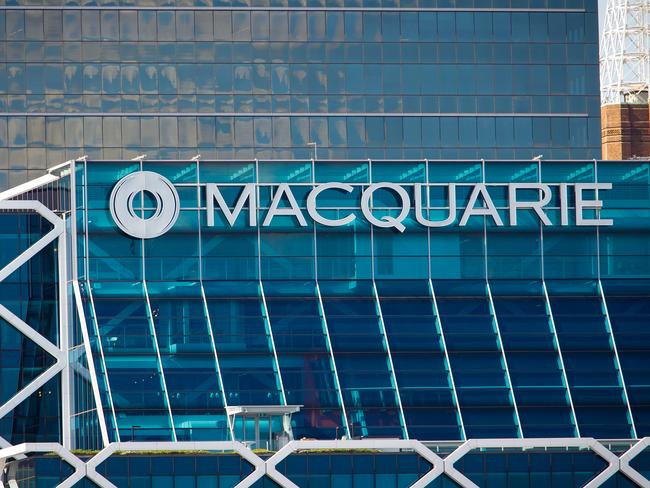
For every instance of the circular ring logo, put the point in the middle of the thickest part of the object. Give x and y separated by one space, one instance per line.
166 199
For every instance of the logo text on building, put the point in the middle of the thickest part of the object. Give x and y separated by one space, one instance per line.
585 208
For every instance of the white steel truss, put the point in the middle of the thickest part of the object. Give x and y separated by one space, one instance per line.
500 444
630 454
625 52
374 444
87 468
220 446
58 351
47 447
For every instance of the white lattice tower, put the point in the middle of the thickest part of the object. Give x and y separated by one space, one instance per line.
625 52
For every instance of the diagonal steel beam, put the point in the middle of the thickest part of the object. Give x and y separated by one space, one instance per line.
238 447
628 470
21 326
29 332
39 245
374 444
19 451
33 385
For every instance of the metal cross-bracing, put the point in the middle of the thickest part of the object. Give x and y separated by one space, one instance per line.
31 332
625 52
443 460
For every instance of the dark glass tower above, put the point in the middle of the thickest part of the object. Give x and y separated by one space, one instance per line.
274 79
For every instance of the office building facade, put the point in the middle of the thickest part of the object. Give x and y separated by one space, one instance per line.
448 322
380 79
316 243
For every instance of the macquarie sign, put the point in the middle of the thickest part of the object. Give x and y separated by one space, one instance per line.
166 208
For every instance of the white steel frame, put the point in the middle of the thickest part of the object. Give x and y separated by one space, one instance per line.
238 447
58 351
374 444
91 365
625 52
630 454
21 450
500 444
88 468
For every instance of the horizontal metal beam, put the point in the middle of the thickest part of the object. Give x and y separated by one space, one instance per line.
269 466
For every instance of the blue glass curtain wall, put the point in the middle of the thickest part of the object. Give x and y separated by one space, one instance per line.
134 370
241 79
477 359
591 362
305 358
628 305
531 348
420 360
364 367
30 293
434 333
185 344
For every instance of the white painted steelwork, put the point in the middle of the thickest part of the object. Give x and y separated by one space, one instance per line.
47 447
373 444
268 466
219 446
58 352
500 444
83 325
625 52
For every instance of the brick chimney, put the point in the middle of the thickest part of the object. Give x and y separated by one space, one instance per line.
626 130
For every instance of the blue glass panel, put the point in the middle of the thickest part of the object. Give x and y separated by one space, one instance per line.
531 469
30 292
379 469
227 171
421 369
399 255
111 254
360 353
228 253
628 305
185 344
344 252
167 471
175 255
100 369
642 463
287 249
476 361
20 424
304 358
515 252
134 376
50 471
591 366
534 365
243 343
